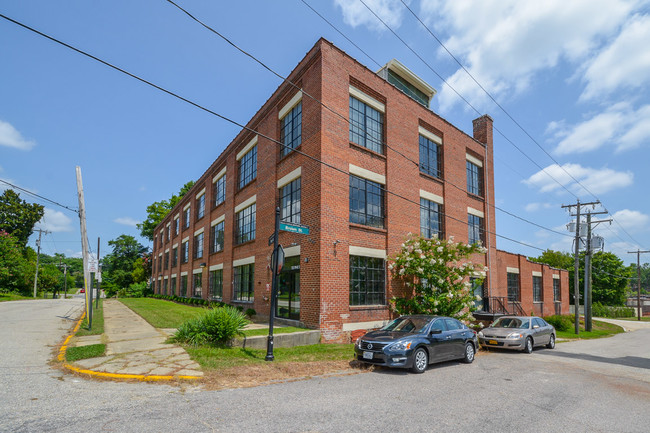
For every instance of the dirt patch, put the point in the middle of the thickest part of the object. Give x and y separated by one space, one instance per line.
248 376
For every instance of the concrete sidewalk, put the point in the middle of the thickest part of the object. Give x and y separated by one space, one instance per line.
134 348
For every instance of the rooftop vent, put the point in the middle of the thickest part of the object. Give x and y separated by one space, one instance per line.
405 80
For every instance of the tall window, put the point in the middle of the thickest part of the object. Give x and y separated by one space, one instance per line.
185 252
174 257
290 202
430 157
477 291
248 167
513 287
219 192
366 202
200 207
292 129
198 246
168 231
367 281
474 179
537 289
216 238
557 297
244 277
186 218
166 260
183 285
430 219
245 225
366 126
197 286
159 263
216 284
475 229
172 286
165 285
176 226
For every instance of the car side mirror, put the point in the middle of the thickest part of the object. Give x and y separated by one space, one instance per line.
436 331
535 326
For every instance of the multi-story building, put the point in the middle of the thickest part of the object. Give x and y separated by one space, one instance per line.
360 159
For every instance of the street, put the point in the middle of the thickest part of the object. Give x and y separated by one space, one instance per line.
586 386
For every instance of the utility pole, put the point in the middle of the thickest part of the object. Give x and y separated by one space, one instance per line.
84 244
65 280
98 276
638 275
38 256
587 289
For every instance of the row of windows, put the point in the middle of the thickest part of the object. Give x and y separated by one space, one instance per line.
215 285
538 292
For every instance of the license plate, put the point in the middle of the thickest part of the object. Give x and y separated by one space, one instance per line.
492 342
367 355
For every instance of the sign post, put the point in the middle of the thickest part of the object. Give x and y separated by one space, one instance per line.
274 286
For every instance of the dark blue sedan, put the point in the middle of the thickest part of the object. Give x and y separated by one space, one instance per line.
416 341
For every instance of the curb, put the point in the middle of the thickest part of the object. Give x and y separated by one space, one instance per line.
118 376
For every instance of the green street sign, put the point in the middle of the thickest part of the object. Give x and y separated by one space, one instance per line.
294 228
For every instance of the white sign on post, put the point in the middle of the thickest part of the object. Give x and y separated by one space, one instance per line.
92 265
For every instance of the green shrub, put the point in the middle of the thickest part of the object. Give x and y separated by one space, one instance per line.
561 323
599 310
214 327
250 312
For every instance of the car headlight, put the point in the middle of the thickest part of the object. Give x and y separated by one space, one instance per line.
480 334
358 343
515 336
401 345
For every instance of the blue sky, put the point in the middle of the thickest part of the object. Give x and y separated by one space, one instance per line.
575 75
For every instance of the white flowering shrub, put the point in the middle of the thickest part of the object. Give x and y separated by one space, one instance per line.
438 271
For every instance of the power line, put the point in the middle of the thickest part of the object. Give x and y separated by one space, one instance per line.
286 80
505 111
36 195
227 119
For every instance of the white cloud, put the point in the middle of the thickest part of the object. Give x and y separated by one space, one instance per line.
356 14
126 221
598 181
504 43
630 220
620 125
625 63
10 137
54 221
534 207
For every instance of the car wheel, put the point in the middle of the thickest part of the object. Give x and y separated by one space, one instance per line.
528 345
420 361
469 353
551 342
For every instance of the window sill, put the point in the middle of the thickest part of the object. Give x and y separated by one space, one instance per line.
199 219
366 150
368 307
242 302
218 204
474 196
369 228
291 152
252 181
439 180
216 252
244 243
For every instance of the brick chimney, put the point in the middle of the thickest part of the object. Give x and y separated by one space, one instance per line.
483 130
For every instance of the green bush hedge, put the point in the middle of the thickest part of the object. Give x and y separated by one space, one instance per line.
190 301
561 323
599 310
214 327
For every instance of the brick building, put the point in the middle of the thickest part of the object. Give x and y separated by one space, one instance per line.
363 162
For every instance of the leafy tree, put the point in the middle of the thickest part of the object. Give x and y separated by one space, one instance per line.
14 267
645 279
49 277
610 278
438 272
118 266
142 269
556 259
158 210
17 217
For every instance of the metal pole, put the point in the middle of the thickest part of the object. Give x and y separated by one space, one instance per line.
274 287
638 293
588 277
38 256
98 282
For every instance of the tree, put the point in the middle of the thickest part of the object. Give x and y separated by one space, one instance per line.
556 259
438 272
14 267
142 269
645 279
158 210
17 217
609 279
119 265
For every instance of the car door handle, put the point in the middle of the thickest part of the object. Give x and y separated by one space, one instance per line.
448 337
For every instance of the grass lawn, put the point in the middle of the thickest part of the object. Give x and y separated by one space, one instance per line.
98 322
598 330
214 358
13 297
643 319
82 352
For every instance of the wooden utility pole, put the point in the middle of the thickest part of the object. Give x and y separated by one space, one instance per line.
84 245
638 275
38 256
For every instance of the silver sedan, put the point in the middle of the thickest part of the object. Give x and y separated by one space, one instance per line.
518 333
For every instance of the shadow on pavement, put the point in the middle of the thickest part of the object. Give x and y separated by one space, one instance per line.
629 361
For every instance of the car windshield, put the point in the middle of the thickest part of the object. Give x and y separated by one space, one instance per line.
407 324
511 322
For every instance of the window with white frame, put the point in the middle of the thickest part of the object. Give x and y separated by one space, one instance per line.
245 225
513 287
537 289
557 297
474 178
216 237
248 167
430 219
219 192
366 126
430 161
198 246
367 280
366 202
475 229
197 286
291 135
216 284
200 207
185 252
290 202
244 282
186 217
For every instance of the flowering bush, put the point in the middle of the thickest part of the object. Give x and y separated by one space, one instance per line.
438 271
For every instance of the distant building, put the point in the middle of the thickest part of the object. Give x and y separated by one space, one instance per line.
390 166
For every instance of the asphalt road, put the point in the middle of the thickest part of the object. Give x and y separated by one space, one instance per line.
587 386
